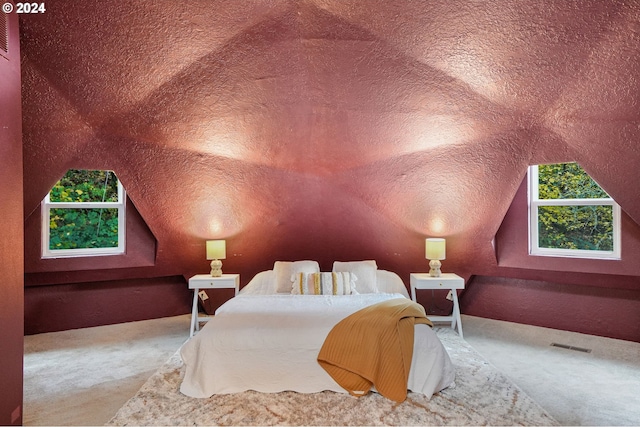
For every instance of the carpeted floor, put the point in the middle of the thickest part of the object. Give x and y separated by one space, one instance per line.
482 396
84 376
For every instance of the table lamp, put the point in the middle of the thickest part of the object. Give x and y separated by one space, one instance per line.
434 252
216 250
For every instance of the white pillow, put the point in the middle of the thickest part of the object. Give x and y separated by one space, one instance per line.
389 282
365 271
263 283
285 270
334 283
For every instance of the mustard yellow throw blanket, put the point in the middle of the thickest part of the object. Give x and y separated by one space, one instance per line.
374 347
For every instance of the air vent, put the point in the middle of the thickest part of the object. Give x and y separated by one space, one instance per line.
570 347
4 32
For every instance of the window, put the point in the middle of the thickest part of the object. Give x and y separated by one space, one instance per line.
84 215
570 215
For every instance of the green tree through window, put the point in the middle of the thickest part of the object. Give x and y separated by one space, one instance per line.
571 215
83 214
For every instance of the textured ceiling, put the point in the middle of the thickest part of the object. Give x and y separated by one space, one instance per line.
330 129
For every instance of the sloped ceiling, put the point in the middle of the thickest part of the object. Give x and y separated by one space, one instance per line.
330 129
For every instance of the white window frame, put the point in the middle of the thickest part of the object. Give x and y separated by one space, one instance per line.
535 203
47 205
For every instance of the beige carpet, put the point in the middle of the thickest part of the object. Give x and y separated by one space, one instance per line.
482 396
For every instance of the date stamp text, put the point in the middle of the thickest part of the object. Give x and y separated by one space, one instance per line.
24 8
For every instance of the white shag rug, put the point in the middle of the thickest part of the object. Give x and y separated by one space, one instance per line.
482 396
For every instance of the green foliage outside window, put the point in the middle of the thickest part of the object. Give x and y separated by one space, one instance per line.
85 186
77 227
576 227
567 181
83 228
587 227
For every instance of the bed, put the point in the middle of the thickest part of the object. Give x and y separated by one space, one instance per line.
267 338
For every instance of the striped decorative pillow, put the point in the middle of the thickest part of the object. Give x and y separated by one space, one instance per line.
336 283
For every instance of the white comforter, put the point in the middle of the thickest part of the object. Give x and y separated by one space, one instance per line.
270 343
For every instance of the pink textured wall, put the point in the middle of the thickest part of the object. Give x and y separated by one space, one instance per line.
327 130
11 240
577 308
512 248
598 297
114 300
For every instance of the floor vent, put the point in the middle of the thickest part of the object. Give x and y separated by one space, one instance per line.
570 347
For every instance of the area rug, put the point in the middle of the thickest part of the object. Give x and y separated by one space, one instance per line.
481 396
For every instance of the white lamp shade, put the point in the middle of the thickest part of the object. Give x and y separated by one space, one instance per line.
216 249
435 248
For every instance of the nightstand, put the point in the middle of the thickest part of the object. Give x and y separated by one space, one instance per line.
446 281
207 281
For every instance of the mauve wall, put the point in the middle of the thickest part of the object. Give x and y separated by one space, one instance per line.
326 130
598 297
11 240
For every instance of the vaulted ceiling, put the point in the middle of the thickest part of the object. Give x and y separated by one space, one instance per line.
330 129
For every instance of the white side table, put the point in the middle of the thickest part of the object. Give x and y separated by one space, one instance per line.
449 281
206 281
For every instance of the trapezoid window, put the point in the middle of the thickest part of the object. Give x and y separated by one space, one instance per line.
570 215
84 215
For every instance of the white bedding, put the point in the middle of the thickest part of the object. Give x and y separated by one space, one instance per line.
270 343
